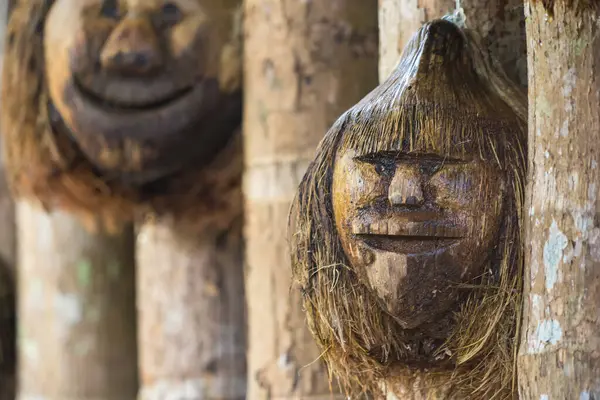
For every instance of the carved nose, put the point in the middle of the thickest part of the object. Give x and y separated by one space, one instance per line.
132 48
406 187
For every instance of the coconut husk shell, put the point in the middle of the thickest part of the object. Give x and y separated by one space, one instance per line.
449 96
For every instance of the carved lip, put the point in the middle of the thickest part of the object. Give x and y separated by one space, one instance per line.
132 104
165 116
408 237
408 244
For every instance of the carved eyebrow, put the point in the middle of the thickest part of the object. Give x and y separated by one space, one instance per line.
397 156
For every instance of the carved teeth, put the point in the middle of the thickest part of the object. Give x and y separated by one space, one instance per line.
374 228
440 230
379 228
359 228
394 227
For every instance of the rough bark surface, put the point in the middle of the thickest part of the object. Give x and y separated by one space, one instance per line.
77 334
560 345
305 63
192 313
7 264
500 22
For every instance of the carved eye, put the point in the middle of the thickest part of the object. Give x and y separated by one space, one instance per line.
170 14
110 9
386 169
430 168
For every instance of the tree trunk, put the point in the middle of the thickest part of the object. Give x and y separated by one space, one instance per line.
192 313
500 25
77 336
305 63
499 22
560 345
7 267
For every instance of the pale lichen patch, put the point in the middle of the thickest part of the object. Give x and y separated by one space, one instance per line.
582 220
564 129
174 321
553 252
592 194
585 395
568 369
548 332
569 81
68 308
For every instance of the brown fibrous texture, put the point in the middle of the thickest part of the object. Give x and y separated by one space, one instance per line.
579 6
456 101
46 166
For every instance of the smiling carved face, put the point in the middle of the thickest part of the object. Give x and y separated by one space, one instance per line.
414 224
139 84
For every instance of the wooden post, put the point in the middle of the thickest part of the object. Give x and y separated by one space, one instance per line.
77 336
305 63
499 22
192 319
560 342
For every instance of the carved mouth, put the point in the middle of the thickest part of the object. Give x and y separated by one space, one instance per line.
122 105
408 237
408 244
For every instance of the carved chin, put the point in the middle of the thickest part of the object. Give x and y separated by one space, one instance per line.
138 139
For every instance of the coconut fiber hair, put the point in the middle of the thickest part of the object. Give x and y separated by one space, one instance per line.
45 164
447 96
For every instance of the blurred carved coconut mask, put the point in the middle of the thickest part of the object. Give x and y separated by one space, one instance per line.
141 85
419 206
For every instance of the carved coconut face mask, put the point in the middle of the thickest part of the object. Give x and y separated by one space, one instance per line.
414 225
419 207
405 231
139 84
